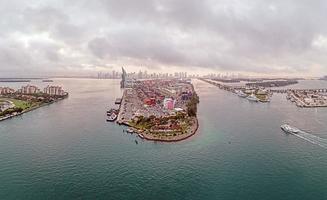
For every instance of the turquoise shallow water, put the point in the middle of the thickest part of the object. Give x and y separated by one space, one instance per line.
68 151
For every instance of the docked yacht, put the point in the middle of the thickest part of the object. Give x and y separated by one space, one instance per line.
240 93
112 117
289 129
252 97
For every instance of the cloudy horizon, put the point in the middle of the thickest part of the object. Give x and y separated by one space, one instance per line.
57 37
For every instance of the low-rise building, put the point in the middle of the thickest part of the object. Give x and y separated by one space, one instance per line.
150 101
169 103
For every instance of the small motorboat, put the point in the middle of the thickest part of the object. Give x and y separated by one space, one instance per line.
129 131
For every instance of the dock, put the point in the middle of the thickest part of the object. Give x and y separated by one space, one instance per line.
118 101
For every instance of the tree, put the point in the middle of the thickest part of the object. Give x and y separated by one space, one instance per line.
192 105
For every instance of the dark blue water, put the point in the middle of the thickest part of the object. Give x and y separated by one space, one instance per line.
68 151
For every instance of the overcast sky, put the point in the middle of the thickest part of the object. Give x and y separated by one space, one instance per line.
245 36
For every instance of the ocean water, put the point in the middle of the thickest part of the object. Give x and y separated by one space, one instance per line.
68 151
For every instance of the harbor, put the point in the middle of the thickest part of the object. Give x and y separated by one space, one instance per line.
304 98
158 110
112 113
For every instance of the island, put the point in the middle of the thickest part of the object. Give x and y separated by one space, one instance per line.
27 98
14 80
308 98
252 93
257 92
275 83
160 110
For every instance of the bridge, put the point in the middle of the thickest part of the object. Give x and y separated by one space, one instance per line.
323 90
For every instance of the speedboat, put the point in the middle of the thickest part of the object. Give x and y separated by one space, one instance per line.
289 129
141 136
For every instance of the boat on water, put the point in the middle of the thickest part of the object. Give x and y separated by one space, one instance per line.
252 97
289 129
112 117
112 110
129 131
265 101
240 93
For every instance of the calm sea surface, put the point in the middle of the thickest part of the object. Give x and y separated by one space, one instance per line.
68 151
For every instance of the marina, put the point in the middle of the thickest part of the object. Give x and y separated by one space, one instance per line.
305 98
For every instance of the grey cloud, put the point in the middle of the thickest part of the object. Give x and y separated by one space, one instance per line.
14 56
231 35
135 43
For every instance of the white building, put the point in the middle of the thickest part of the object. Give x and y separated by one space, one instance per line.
54 90
6 90
29 89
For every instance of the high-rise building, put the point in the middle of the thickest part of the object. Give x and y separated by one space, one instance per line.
123 78
29 89
54 90
6 90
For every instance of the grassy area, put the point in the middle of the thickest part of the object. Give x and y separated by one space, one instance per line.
20 104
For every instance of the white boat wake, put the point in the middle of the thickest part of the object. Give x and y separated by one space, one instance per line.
312 139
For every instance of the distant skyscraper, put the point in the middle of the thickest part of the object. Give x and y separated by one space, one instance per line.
123 78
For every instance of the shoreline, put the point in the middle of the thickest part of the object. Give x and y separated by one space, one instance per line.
193 132
31 109
179 138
